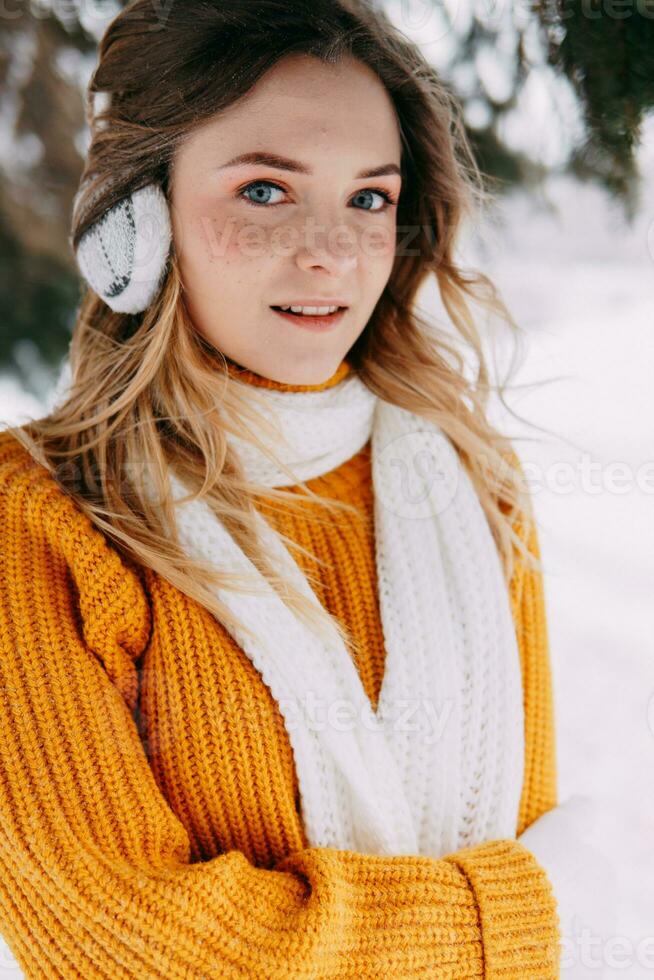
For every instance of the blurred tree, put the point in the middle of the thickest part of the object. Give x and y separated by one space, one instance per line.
42 120
604 48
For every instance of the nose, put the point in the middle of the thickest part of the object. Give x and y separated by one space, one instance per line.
328 246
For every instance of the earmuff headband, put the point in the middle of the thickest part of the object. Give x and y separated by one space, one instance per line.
123 255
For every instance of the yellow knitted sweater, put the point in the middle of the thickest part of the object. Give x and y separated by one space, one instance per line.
150 816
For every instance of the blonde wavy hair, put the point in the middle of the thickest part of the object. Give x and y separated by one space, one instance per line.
148 392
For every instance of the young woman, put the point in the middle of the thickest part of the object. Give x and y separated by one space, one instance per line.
274 665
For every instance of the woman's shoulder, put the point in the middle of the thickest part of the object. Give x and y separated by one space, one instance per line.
15 460
32 497
45 533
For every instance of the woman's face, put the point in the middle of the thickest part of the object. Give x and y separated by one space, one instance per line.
307 227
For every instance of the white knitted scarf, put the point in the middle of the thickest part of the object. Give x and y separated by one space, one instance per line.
440 764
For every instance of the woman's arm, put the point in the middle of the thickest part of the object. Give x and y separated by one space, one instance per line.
540 790
95 877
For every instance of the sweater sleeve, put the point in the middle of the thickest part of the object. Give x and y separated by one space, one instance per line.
95 875
540 790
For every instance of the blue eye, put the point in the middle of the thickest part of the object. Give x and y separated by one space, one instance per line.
259 184
390 201
261 188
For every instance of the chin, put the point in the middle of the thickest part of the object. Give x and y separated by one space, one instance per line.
312 371
314 375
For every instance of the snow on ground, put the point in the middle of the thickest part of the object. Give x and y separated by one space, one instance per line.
581 284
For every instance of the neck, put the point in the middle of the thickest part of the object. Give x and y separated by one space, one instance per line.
251 377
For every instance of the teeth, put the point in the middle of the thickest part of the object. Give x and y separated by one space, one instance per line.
311 310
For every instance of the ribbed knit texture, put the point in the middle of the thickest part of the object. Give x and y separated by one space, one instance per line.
148 798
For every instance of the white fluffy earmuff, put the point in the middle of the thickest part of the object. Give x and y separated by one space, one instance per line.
123 255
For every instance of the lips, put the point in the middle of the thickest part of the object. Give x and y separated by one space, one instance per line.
310 321
314 301
315 305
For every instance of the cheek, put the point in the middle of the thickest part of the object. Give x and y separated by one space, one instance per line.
208 233
377 249
378 242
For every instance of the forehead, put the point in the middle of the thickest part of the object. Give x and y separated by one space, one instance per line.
305 106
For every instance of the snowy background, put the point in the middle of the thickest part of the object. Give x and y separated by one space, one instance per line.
581 284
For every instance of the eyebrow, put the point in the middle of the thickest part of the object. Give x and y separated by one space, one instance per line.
284 163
